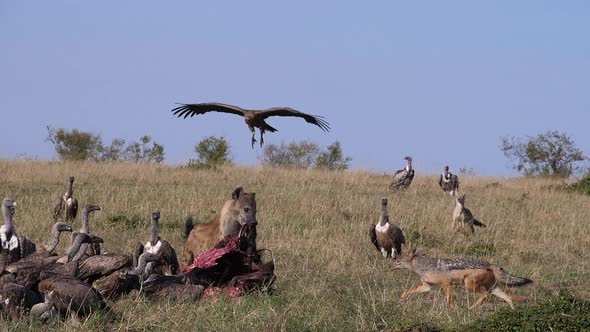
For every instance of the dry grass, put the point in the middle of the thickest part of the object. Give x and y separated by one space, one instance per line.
316 223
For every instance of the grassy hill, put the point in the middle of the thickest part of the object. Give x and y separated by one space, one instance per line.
329 276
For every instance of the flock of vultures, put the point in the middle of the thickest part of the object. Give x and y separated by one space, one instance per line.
220 256
37 281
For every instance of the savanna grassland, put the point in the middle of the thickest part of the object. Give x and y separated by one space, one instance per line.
329 275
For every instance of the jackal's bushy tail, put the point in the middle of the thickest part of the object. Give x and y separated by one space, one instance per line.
188 227
478 223
506 279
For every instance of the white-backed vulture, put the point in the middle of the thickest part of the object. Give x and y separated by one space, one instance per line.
69 296
386 237
88 249
449 182
9 242
66 204
96 267
171 289
254 118
26 273
48 249
403 178
15 298
161 248
124 280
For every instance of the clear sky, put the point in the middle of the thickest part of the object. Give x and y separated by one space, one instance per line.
439 80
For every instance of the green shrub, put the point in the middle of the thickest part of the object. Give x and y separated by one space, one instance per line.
583 186
212 152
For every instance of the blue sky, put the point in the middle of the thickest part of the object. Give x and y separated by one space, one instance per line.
440 81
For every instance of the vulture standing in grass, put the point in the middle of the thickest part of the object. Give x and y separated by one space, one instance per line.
403 178
254 118
9 242
48 249
449 182
66 204
161 248
89 249
386 237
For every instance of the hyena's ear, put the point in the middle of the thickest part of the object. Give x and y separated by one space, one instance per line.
236 194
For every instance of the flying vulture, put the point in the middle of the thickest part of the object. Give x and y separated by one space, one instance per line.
253 118
386 237
403 178
449 182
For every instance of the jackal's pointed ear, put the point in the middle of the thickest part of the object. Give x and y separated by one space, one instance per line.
236 194
404 248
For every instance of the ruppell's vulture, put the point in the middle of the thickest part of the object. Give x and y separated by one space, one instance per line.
403 178
386 237
253 118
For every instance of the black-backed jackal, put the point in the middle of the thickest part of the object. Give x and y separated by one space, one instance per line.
475 275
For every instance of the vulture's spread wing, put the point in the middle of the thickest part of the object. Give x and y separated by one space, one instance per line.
287 111
202 108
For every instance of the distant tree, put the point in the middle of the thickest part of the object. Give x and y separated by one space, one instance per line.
112 152
74 144
548 154
143 152
467 171
296 155
212 152
333 158
79 145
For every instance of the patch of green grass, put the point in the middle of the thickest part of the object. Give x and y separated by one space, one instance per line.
133 220
475 249
422 238
561 313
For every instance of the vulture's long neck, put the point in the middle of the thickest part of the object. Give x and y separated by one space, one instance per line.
446 174
155 231
74 253
384 216
139 270
8 222
70 189
85 226
409 166
53 241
